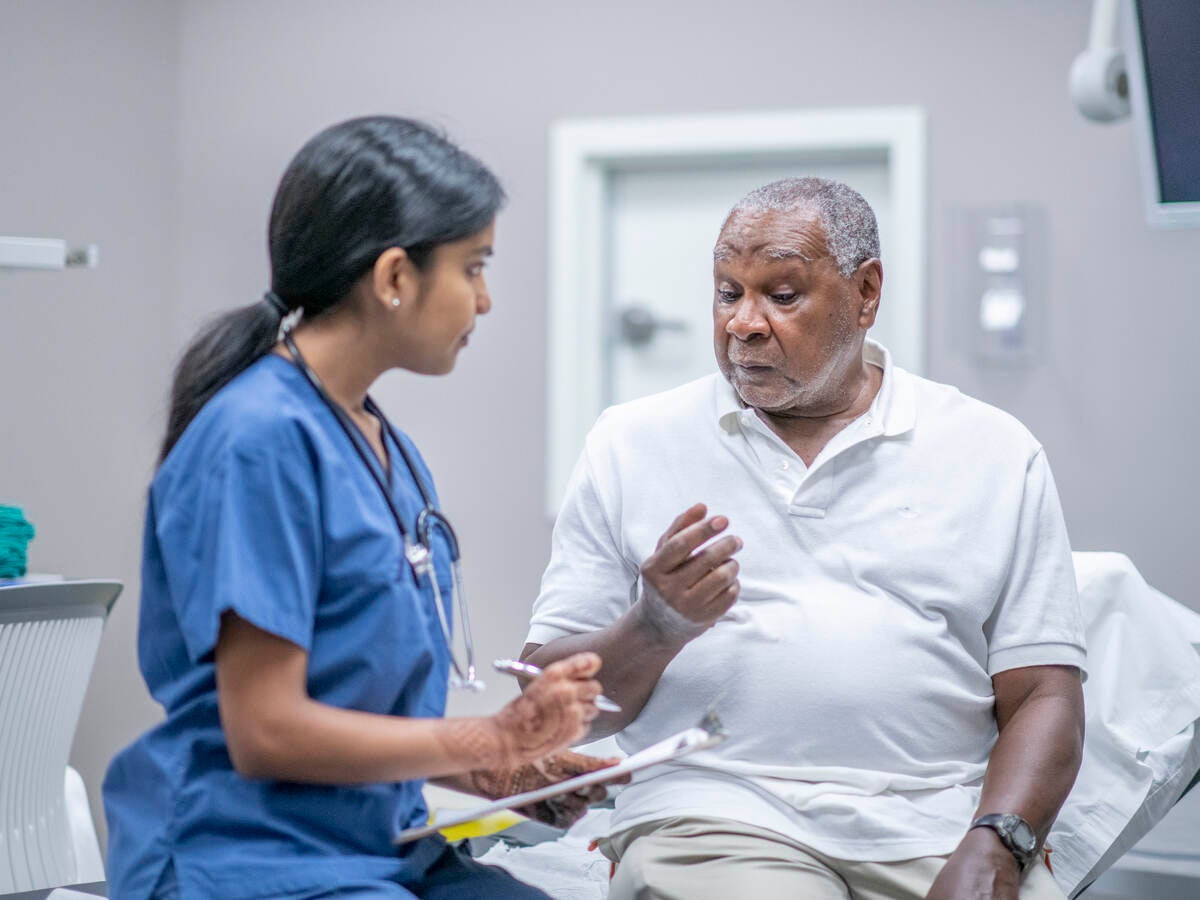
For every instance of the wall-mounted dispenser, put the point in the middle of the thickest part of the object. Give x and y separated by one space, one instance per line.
1002 283
45 253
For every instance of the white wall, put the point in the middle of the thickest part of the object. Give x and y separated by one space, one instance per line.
87 126
1111 401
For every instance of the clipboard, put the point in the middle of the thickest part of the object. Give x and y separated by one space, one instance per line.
707 734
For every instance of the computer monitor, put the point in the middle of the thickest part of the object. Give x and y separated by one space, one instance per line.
1162 52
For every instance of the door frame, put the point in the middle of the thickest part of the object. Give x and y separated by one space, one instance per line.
582 155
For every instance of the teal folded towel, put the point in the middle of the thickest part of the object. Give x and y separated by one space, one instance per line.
15 534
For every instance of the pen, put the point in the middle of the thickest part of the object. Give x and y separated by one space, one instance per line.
525 670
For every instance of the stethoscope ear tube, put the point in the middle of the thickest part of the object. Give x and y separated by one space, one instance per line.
418 547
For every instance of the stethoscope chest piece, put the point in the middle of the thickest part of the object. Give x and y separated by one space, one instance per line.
419 558
419 554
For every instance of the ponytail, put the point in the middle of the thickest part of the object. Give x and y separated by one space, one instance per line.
355 190
224 348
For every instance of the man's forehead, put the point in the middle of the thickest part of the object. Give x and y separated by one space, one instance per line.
773 234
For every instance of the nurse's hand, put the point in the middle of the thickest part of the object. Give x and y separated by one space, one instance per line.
561 811
552 713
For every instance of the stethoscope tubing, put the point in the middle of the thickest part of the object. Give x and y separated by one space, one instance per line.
417 547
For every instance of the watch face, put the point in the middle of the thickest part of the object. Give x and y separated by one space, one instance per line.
1022 835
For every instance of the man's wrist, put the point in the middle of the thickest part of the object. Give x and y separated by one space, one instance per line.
661 623
1013 833
986 843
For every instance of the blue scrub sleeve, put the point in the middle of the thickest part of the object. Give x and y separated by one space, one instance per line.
245 537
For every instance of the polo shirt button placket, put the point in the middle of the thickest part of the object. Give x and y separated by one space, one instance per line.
791 478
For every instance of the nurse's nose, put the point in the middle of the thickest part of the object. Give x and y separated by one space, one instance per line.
483 302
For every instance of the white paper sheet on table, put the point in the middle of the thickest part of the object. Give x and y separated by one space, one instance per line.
672 748
1142 743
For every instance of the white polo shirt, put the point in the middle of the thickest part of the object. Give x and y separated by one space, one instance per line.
922 552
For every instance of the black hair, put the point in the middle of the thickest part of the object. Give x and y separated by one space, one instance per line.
355 190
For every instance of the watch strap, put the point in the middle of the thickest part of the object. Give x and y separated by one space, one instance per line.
997 823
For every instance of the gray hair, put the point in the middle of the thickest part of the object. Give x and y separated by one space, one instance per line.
851 232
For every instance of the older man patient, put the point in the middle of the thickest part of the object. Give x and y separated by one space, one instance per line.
897 646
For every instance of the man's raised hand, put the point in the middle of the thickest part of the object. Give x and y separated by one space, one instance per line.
690 580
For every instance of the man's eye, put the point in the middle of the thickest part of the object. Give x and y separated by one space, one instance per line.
783 297
727 295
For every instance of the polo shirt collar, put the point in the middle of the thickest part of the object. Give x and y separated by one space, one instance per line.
894 406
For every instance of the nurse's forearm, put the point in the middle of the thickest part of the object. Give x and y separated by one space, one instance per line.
275 730
634 655
319 744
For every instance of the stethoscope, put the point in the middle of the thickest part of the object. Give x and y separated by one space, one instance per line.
418 547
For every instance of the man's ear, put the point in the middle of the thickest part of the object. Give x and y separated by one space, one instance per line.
868 283
394 278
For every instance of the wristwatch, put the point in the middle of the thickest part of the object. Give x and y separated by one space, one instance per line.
1015 833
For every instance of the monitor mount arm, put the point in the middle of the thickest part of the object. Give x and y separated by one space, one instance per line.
1099 83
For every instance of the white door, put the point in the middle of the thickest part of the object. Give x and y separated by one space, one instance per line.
635 207
662 224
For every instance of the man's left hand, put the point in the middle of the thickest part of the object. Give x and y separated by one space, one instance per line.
981 868
561 811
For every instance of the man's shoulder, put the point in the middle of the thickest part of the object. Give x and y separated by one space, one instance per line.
945 409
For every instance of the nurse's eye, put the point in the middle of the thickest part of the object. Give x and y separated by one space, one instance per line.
475 269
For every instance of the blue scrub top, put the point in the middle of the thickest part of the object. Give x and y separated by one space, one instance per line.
263 508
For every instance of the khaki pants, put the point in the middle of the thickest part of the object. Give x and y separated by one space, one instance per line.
695 858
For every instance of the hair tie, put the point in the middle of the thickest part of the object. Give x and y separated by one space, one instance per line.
273 300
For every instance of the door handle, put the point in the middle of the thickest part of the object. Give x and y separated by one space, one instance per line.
637 324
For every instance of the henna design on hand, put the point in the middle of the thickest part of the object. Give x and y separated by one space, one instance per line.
533 726
551 714
562 811
471 742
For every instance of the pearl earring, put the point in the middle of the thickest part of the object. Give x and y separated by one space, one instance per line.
395 301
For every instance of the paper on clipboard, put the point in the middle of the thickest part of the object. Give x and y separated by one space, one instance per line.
672 748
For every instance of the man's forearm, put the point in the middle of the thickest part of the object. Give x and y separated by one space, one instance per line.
1033 765
1037 755
635 654
1039 710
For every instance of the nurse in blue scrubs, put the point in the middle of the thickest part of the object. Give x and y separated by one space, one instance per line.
289 625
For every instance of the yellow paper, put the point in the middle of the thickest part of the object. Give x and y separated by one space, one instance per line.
481 827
